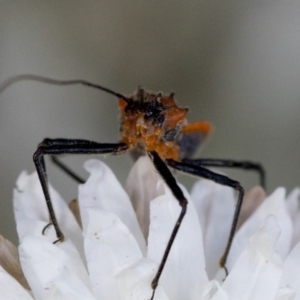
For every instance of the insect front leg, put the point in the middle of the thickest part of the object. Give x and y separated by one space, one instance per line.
221 179
66 146
166 174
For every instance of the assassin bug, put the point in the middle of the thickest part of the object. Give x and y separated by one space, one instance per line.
150 124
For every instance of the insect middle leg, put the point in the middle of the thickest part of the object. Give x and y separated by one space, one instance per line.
66 169
221 179
228 163
66 146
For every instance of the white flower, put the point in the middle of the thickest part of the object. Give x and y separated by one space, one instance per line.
109 258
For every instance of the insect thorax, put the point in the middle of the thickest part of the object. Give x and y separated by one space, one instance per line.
152 122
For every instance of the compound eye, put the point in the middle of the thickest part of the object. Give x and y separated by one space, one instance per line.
153 110
149 112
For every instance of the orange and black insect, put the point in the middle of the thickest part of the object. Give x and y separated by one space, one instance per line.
150 124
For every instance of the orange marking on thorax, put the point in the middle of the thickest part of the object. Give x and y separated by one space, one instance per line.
201 126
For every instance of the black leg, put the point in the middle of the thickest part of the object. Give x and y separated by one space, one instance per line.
64 146
66 169
165 173
221 179
227 163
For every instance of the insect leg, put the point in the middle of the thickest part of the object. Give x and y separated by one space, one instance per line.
65 146
66 169
166 174
221 179
228 163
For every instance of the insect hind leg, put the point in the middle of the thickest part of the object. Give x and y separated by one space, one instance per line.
223 180
228 163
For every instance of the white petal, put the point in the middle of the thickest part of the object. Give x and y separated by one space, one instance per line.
184 274
110 247
256 274
68 287
215 206
296 233
142 188
292 201
291 267
293 209
29 203
35 227
102 190
10 289
44 263
28 198
275 205
74 262
137 279
213 291
286 294
253 198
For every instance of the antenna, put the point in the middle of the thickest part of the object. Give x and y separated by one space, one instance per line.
47 80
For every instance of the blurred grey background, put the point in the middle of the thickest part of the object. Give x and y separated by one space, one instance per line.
234 63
